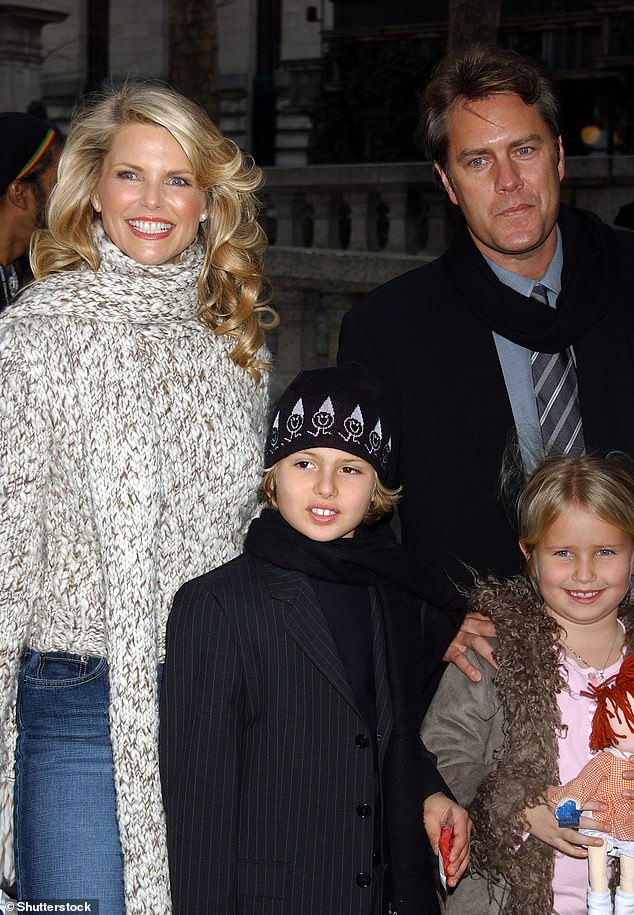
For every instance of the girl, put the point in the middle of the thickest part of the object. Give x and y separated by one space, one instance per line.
502 742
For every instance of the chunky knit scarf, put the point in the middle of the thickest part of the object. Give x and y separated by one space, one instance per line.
121 290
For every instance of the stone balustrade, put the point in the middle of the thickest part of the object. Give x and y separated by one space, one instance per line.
398 207
393 208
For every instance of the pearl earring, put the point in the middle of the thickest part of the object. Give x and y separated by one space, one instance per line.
203 217
96 206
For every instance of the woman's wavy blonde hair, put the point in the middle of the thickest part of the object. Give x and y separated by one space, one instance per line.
232 289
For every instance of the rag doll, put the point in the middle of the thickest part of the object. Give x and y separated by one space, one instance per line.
612 739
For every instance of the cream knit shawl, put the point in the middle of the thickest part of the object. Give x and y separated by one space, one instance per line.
130 453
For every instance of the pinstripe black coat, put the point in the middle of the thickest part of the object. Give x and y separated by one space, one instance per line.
267 769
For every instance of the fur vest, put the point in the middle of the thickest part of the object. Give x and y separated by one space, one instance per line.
527 683
130 454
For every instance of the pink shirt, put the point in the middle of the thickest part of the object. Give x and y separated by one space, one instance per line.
570 882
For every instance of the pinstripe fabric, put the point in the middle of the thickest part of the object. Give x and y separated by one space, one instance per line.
262 772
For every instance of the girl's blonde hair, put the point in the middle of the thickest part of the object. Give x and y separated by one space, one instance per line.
231 283
383 501
602 486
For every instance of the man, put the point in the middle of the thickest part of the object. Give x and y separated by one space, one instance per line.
455 340
29 153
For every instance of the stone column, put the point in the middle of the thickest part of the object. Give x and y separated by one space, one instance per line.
324 227
289 302
396 199
437 226
358 203
284 214
193 52
21 53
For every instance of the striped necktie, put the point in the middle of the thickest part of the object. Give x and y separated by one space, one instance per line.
555 381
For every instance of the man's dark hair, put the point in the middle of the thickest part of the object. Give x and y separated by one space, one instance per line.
475 73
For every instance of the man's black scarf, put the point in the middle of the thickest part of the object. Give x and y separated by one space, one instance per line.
593 314
588 287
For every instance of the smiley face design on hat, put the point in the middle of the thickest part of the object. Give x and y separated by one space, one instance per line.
334 408
353 426
375 438
274 437
387 450
323 418
295 421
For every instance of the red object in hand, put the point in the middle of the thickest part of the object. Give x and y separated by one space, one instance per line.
446 839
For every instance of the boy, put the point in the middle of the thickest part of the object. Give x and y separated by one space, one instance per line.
294 780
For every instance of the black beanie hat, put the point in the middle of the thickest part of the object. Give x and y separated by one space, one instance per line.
341 408
24 139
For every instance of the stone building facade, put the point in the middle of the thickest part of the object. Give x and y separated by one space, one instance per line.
268 52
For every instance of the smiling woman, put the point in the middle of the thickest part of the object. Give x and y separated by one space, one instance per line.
131 433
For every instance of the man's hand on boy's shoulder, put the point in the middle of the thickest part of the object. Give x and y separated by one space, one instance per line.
435 810
474 633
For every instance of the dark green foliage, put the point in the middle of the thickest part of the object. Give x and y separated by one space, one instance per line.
368 109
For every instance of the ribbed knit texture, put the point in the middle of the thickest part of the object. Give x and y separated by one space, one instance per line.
130 453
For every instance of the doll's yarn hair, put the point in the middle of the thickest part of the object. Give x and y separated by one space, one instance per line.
614 700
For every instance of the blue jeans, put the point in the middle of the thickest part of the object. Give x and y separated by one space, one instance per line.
66 835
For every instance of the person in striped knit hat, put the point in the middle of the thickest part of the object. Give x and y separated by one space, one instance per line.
29 153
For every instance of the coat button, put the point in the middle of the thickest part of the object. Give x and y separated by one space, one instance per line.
364 879
364 810
361 741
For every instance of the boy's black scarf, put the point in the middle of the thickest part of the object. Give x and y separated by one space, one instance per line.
372 557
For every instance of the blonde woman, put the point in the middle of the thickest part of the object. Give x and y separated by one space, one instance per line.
132 408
